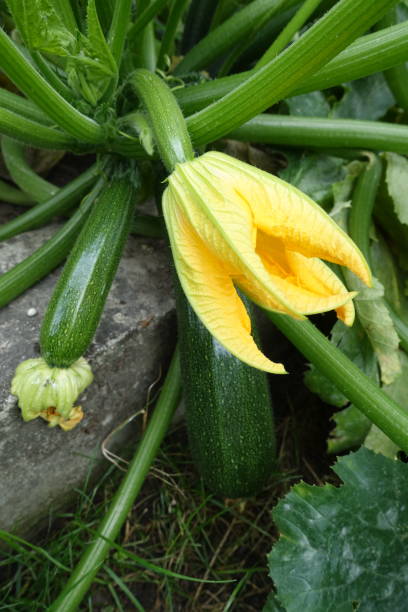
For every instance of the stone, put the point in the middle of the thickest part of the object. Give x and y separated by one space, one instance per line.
41 467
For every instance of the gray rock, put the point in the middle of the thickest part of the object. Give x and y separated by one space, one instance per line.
41 467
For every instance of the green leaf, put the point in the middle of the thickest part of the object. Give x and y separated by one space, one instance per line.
375 319
312 104
92 69
41 26
351 429
385 268
396 177
272 604
344 548
368 98
314 174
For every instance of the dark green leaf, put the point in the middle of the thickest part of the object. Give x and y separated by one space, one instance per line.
368 98
351 429
345 548
314 174
312 104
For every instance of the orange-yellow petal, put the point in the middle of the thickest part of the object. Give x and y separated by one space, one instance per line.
226 228
210 290
285 212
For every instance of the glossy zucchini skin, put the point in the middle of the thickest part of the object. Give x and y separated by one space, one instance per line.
228 411
79 297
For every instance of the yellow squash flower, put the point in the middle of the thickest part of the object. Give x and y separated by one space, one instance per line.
232 225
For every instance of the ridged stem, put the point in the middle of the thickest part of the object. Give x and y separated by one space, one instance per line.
229 33
33 133
22 174
165 116
63 200
397 76
145 17
284 38
391 418
98 549
331 34
118 30
47 257
52 77
369 54
35 87
10 194
362 204
176 13
324 133
17 104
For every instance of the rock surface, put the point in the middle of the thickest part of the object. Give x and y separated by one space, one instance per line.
41 467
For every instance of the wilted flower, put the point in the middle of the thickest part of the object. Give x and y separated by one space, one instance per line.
50 393
232 225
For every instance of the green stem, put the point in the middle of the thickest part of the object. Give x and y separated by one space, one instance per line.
32 269
326 133
391 418
118 29
197 23
33 133
397 76
172 23
284 38
51 77
165 116
35 87
362 204
10 194
333 32
146 17
144 46
371 53
22 174
98 549
61 202
229 33
21 106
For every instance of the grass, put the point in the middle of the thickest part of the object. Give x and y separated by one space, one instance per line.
176 527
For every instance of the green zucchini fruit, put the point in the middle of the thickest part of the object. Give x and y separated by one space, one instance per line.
228 410
76 305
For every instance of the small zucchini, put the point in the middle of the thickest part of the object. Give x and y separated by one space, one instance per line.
228 411
76 305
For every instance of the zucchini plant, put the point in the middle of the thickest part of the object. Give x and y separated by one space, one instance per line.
108 79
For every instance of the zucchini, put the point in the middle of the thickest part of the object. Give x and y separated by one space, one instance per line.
76 305
228 410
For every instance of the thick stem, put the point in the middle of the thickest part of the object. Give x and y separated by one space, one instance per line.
65 198
391 418
172 23
145 17
17 104
97 550
369 54
35 267
118 29
33 133
166 118
35 87
228 34
284 38
22 173
324 133
336 30
10 194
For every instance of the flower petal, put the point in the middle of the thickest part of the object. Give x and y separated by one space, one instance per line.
225 227
283 211
309 273
210 291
